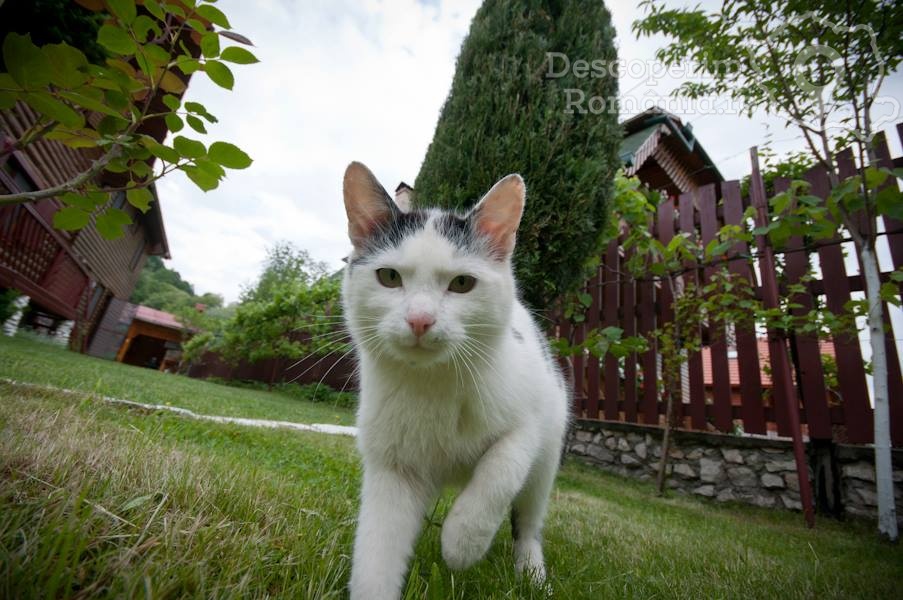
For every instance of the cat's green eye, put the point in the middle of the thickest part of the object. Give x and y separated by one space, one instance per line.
389 277
462 284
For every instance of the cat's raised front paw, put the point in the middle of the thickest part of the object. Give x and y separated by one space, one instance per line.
465 540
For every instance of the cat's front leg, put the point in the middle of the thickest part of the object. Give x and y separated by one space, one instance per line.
391 515
481 507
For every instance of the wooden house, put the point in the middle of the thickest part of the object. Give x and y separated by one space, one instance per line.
662 152
69 276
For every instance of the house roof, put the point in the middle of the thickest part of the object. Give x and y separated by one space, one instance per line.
733 363
158 317
657 144
403 186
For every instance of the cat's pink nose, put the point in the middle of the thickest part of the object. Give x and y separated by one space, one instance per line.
420 323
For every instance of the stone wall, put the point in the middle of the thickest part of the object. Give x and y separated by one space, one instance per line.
754 470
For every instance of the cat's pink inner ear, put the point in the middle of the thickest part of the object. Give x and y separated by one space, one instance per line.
367 203
498 214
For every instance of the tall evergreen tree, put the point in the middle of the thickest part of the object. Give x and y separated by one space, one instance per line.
514 107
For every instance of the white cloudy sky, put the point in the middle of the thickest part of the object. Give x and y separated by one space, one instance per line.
357 80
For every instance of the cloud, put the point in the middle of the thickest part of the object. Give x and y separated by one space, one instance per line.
337 82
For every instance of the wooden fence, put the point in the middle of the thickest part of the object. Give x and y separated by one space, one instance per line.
736 385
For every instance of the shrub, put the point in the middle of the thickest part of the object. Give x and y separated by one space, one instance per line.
506 114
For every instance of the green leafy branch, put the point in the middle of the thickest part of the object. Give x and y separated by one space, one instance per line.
108 108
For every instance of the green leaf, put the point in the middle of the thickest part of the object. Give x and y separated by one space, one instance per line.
78 138
219 74
7 100
123 9
874 177
188 65
85 202
53 109
171 102
154 8
201 178
171 82
189 148
205 164
214 15
159 150
175 9
229 155
140 198
142 25
111 222
210 45
239 56
116 99
27 65
200 109
139 168
110 125
889 201
66 64
70 218
89 103
173 122
196 124
116 40
157 55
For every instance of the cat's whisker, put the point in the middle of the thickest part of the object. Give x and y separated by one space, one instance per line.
328 371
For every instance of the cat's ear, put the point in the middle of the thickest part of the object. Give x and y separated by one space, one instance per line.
498 214
367 203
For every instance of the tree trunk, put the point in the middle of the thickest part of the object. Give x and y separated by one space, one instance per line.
666 444
887 513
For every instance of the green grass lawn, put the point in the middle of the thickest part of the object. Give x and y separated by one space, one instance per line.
26 360
98 500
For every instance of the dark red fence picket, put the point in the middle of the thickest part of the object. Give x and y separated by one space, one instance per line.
734 384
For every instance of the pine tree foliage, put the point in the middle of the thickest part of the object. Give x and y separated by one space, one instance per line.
507 112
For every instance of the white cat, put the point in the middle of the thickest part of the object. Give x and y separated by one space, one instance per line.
457 385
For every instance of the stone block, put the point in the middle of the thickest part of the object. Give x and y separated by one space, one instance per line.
695 454
763 500
869 496
860 470
793 481
791 503
623 446
600 453
776 466
675 453
742 476
640 450
611 443
732 455
597 438
685 471
705 490
710 471
579 449
771 481
584 436
726 495
630 461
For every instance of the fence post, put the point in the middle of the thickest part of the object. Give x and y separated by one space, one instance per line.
777 346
